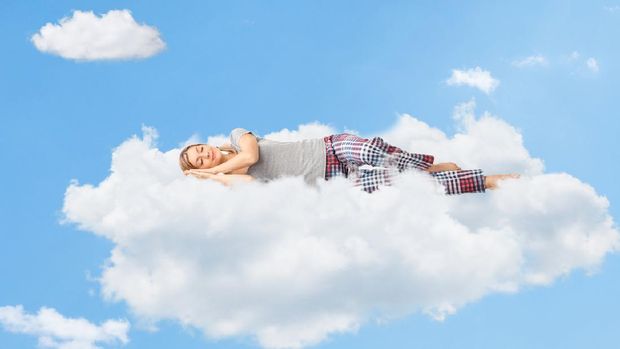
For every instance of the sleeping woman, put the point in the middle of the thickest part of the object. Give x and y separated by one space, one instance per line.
249 157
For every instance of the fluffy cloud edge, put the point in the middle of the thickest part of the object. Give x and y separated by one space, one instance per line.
54 330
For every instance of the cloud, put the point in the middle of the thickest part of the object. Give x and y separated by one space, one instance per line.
85 36
530 61
574 55
592 64
476 77
56 331
289 264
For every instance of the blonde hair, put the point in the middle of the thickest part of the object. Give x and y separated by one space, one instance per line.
184 159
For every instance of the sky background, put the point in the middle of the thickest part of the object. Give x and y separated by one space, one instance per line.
270 65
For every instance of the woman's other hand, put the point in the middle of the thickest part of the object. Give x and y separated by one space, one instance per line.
444 166
200 173
226 179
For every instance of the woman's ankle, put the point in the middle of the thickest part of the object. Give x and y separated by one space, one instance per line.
490 182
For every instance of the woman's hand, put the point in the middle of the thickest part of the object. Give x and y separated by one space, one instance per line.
211 170
200 173
445 166
220 177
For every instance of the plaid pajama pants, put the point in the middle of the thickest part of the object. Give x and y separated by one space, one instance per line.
347 152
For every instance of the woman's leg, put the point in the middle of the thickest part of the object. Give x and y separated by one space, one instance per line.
461 181
358 151
454 182
491 182
333 166
346 152
372 179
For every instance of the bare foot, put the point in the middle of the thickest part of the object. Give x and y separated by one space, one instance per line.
490 182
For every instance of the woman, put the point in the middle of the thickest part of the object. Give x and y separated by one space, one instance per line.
248 157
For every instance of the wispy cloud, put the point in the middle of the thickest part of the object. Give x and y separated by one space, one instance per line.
56 331
578 62
306 262
85 36
612 9
476 77
575 55
592 64
530 61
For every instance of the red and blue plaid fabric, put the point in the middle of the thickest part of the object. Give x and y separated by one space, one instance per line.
345 153
461 181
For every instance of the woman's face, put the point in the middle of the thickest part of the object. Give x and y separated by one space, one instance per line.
203 156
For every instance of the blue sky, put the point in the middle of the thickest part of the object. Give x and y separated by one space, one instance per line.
272 65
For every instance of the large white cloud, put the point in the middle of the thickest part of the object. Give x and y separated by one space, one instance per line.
476 77
85 36
290 264
56 331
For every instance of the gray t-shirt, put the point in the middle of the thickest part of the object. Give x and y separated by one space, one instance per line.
278 159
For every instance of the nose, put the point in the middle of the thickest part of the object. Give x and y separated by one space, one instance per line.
204 153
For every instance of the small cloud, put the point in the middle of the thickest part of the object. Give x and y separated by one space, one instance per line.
478 78
592 64
574 55
85 36
56 331
581 65
612 9
530 61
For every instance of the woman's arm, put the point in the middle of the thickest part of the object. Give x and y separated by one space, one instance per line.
445 166
226 179
248 156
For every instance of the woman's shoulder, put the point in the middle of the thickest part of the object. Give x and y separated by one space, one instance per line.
235 136
237 132
240 130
